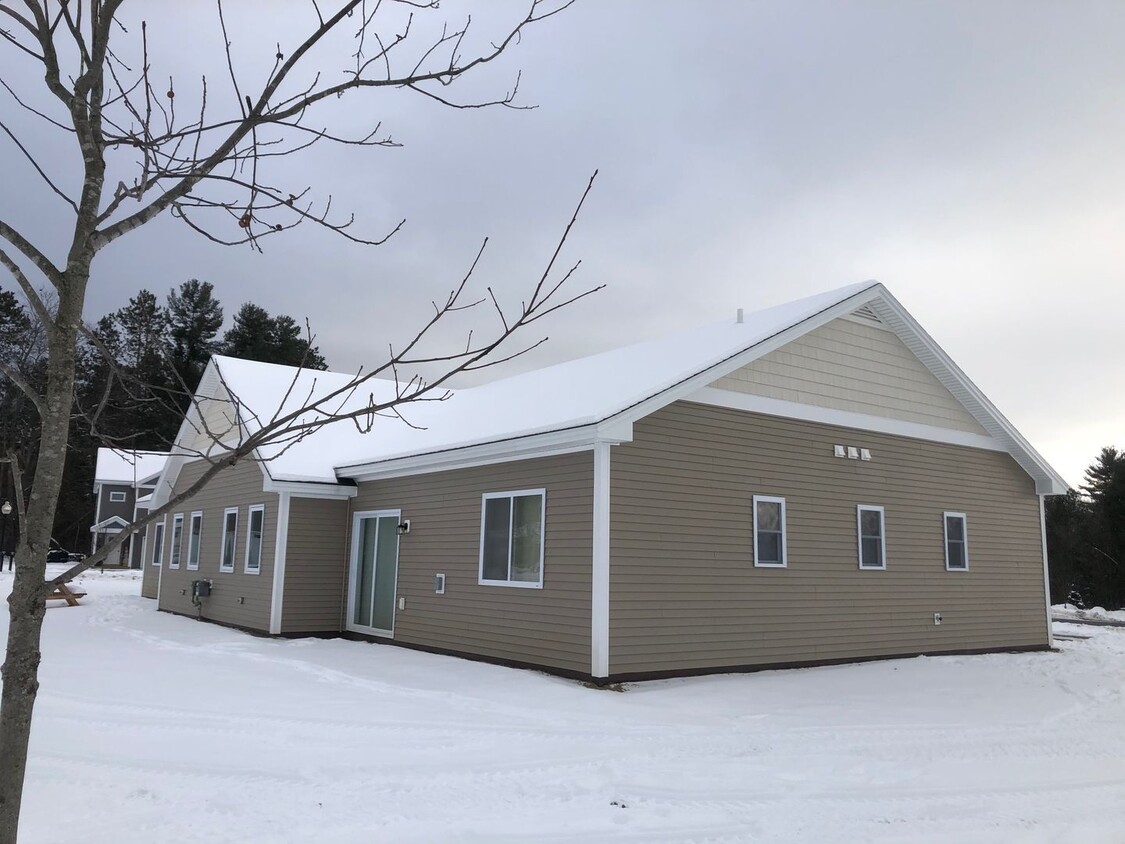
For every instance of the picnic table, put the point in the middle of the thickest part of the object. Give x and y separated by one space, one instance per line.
65 593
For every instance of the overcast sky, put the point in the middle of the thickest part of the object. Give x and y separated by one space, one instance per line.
970 156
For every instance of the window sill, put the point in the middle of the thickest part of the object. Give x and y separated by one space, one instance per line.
512 584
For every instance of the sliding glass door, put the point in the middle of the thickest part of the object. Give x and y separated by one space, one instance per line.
374 572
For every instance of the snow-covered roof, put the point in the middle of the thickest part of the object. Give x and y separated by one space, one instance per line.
601 390
120 466
567 395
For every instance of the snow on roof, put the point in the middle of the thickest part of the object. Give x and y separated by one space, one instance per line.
567 395
119 466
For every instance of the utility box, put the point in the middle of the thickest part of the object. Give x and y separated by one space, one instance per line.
201 589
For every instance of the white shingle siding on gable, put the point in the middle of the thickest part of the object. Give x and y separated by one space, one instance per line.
218 423
849 366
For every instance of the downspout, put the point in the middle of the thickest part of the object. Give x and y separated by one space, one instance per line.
280 541
1046 570
599 593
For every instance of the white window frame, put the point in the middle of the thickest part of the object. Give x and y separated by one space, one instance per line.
945 536
224 566
158 547
176 549
513 494
118 497
250 511
198 548
859 511
771 499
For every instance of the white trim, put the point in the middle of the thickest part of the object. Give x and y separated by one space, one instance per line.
158 559
546 444
771 499
841 418
599 589
176 549
199 544
114 524
97 512
250 511
281 540
353 573
234 544
512 495
309 489
859 511
124 497
948 514
1046 572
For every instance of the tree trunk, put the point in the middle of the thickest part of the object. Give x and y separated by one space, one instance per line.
26 607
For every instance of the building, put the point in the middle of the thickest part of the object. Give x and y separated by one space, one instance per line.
123 482
812 483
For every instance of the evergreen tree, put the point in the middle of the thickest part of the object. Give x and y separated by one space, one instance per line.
194 319
255 335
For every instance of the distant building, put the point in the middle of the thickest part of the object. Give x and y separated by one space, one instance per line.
123 483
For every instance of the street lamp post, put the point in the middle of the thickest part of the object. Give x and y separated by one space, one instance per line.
5 511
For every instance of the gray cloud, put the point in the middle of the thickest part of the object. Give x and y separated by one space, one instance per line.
967 155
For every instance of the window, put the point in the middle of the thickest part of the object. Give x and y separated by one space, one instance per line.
769 532
158 542
230 531
117 497
511 538
195 535
956 541
256 519
872 543
177 537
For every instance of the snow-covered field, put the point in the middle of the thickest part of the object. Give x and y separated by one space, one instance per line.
152 728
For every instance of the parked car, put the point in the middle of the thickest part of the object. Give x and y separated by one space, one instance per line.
58 555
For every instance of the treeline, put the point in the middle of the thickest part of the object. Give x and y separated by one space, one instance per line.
1086 537
136 374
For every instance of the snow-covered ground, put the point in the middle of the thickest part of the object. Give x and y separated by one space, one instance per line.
1093 613
153 728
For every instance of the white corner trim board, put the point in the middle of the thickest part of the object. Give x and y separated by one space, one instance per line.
281 540
1046 570
599 593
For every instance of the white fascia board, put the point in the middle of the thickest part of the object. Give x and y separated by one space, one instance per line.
934 358
304 489
763 347
842 418
549 444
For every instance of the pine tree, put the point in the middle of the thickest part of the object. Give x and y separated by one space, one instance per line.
255 335
194 320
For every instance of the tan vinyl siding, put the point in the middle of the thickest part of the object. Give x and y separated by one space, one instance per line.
847 365
685 594
548 626
150 574
315 566
240 487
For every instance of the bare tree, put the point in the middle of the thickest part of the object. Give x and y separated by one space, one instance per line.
144 151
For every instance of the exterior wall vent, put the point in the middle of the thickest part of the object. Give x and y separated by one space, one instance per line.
866 313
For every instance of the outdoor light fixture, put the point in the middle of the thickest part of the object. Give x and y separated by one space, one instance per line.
6 508
403 527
